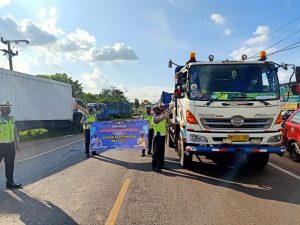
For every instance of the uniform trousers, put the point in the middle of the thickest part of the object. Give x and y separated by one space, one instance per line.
8 152
87 140
150 140
158 158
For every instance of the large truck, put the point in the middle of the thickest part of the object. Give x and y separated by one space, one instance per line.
226 108
38 102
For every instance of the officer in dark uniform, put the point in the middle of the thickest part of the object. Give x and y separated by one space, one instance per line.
9 143
149 117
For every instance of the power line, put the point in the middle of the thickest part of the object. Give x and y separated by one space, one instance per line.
278 42
285 49
277 29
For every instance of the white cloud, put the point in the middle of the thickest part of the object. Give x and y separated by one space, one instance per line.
218 18
47 19
53 49
262 30
227 32
4 3
25 29
117 52
95 81
151 93
255 44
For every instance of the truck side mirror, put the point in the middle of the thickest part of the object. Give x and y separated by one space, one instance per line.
297 73
170 63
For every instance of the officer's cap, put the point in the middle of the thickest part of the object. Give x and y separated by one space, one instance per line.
6 103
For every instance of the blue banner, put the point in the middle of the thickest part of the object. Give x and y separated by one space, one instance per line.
129 134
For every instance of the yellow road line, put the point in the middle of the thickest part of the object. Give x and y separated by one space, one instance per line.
118 203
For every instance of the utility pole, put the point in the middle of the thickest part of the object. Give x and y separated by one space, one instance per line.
9 52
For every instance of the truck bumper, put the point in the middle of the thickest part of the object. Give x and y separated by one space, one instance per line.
247 149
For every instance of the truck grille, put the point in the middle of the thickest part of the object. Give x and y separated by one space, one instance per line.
249 123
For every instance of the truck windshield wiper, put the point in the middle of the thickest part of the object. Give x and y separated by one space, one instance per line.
248 97
215 99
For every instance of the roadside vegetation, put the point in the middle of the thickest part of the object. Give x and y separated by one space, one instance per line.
35 134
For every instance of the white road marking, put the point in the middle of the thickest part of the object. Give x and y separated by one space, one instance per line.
51 150
285 171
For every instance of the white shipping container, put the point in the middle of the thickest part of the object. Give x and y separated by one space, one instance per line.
35 98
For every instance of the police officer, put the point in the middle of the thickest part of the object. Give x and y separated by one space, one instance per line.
88 118
160 130
149 117
9 143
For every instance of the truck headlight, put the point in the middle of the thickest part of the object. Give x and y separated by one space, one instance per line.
276 138
198 138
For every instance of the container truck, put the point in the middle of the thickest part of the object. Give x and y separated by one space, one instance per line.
38 102
227 108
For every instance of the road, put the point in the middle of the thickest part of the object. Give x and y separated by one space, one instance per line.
119 187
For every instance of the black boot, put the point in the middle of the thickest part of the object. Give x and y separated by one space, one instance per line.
12 185
143 152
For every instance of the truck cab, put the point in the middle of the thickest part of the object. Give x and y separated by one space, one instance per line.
227 107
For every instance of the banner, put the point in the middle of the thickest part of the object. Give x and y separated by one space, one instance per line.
129 134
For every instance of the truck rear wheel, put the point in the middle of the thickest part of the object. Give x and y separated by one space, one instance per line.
294 151
185 160
258 160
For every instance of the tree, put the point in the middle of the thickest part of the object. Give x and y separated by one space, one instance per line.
136 103
77 90
112 95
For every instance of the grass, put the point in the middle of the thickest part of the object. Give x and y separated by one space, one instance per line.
35 134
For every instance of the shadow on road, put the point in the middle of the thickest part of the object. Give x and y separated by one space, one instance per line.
32 211
262 184
35 169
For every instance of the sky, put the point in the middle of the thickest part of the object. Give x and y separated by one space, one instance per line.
127 44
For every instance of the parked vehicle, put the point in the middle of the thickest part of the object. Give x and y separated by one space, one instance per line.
38 102
166 98
291 132
225 108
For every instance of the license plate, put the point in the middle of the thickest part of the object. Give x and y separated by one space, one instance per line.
238 138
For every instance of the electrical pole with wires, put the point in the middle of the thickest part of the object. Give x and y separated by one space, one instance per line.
9 52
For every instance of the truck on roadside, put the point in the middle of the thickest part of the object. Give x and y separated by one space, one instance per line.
39 102
166 98
226 108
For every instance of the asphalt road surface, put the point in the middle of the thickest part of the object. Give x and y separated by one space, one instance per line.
119 187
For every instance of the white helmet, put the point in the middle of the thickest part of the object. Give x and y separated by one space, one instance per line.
6 103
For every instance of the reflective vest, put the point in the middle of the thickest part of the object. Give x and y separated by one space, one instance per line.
7 130
149 118
89 119
161 127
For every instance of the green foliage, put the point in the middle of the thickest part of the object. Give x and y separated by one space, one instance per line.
136 103
35 134
112 94
28 135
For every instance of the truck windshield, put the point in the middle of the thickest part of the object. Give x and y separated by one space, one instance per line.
233 82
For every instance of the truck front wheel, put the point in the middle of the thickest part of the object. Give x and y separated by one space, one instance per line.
294 151
258 160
